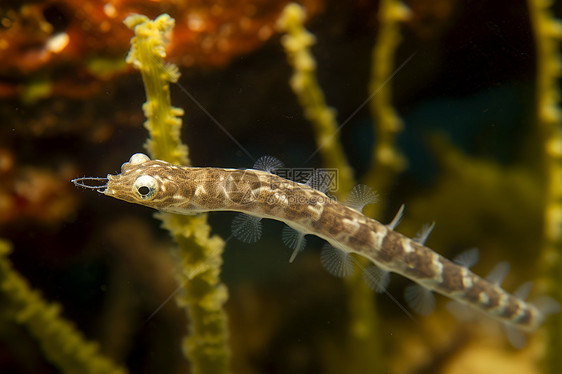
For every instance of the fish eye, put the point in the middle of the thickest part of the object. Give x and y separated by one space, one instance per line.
145 187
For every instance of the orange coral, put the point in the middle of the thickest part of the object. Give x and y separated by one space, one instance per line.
31 192
47 37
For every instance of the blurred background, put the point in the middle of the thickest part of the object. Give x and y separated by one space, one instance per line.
71 107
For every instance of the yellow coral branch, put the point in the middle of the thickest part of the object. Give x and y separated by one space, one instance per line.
200 253
63 345
363 351
386 160
162 119
548 33
297 41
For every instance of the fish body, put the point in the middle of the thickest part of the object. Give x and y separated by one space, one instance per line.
192 190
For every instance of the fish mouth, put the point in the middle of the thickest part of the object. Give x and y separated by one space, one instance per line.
98 184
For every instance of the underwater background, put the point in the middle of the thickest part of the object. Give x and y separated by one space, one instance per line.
469 152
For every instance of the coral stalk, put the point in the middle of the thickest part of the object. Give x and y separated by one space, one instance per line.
548 33
162 119
200 253
297 41
386 160
363 351
63 345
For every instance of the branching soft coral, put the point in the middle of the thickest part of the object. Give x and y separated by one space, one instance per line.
63 345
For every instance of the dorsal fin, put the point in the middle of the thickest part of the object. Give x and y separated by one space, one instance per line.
246 228
293 239
397 218
420 299
498 273
468 258
523 291
547 305
337 262
376 278
423 234
267 163
360 196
